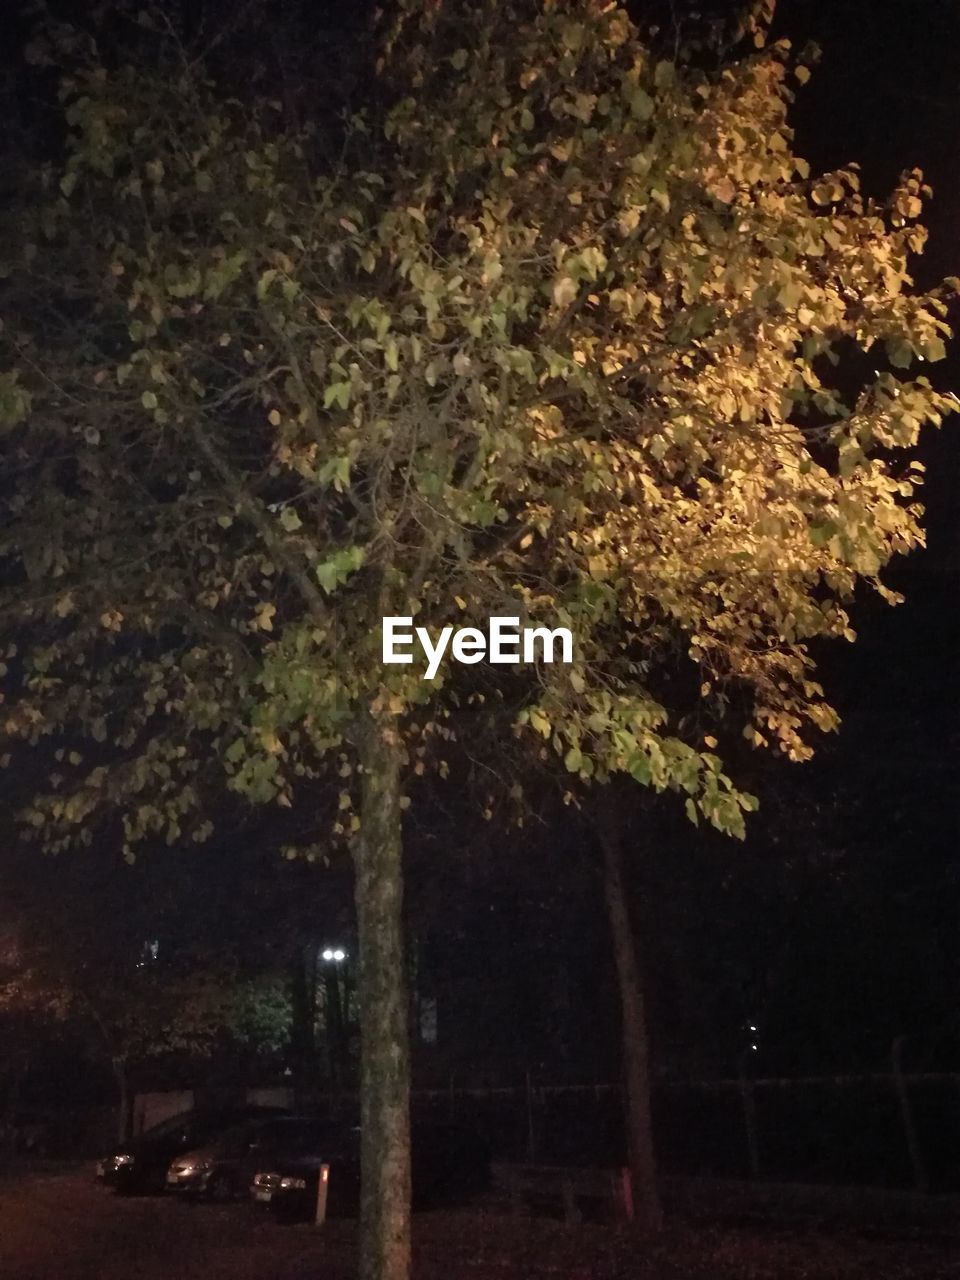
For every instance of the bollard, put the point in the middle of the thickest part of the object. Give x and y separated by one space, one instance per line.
323 1186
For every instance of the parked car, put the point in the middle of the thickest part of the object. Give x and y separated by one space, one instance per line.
224 1168
451 1165
141 1164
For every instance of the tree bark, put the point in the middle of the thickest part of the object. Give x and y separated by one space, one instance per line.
635 1048
384 1037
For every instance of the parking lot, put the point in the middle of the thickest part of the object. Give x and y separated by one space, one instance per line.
60 1225
56 1224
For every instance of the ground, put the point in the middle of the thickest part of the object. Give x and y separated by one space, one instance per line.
58 1225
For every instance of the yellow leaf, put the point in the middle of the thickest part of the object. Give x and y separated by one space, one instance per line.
264 616
564 290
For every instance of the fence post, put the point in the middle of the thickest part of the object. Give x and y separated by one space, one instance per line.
750 1125
906 1115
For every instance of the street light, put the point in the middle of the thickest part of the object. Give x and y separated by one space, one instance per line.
335 954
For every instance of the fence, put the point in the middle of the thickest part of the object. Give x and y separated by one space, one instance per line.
883 1129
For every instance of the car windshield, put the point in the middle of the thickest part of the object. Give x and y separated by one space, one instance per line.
175 1124
239 1136
316 1138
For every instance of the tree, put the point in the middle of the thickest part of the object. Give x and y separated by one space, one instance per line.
30 1004
545 331
135 999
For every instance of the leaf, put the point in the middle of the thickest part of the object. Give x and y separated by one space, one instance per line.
564 290
149 400
265 281
573 760
639 768
899 352
265 615
327 576
338 393
290 520
572 35
540 722
641 104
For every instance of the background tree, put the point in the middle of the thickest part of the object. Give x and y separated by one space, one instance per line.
548 334
137 995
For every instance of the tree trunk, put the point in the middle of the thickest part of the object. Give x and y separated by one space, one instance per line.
20 1064
633 1032
382 997
124 1116
303 1012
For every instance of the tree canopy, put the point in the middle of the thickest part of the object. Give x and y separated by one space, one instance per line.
561 348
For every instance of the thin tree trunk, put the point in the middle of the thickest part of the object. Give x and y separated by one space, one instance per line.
124 1117
303 1011
18 1073
384 1039
633 1031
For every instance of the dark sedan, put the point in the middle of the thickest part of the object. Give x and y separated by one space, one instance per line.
223 1168
141 1165
450 1166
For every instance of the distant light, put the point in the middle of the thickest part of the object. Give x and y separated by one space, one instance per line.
751 1027
328 954
753 1046
339 955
